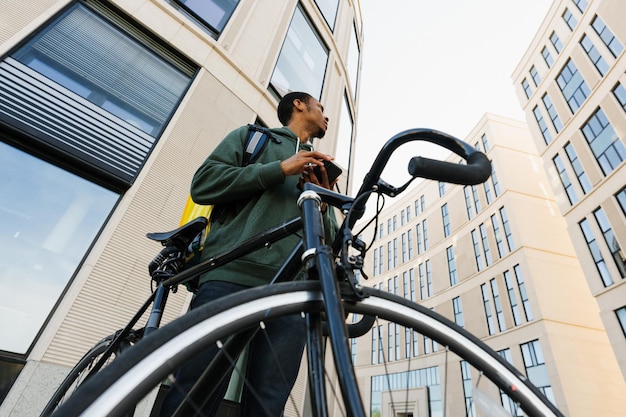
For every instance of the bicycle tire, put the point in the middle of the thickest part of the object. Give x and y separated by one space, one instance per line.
82 368
136 372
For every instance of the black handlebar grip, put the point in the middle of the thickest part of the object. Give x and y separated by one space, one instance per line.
476 171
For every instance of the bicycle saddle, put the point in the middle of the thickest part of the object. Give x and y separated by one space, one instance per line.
182 236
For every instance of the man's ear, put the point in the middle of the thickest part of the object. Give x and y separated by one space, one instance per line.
299 104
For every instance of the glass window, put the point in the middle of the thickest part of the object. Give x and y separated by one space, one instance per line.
485 142
454 279
354 54
621 199
48 220
497 304
488 193
374 357
621 317
620 94
98 92
409 235
535 76
477 253
581 4
104 65
395 252
423 203
521 286
485 242
547 57
466 376
442 188
526 86
565 181
487 306
569 19
446 220
556 42
596 254
429 278
611 241
498 236
343 150
458 311
476 198
303 58
578 168
404 248
554 116
614 45
425 234
606 146
510 288
422 279
543 126
375 261
468 202
594 55
507 402
494 181
573 86
418 236
329 11
214 13
507 229
536 369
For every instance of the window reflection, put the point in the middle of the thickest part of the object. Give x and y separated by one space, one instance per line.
48 219
329 11
213 12
87 55
302 62
343 148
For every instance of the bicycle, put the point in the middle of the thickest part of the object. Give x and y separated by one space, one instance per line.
328 294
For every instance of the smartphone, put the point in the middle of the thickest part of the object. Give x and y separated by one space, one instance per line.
332 170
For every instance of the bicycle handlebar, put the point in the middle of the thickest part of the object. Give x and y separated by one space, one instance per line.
476 171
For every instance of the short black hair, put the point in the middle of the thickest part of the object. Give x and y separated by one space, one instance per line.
285 106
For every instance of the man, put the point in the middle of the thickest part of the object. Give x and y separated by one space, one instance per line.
249 200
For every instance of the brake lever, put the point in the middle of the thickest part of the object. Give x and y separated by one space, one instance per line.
383 187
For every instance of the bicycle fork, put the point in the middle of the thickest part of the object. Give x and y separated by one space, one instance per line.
318 261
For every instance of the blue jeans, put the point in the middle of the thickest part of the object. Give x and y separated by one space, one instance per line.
273 363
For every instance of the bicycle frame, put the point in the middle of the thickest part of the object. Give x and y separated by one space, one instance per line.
318 260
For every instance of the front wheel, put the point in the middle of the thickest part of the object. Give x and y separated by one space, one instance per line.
126 381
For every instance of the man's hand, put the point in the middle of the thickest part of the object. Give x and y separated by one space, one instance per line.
303 161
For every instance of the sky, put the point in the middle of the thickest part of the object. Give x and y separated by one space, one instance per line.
439 64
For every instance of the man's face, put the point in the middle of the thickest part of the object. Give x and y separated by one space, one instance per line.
316 116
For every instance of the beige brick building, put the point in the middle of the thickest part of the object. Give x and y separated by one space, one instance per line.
532 261
496 259
106 110
571 84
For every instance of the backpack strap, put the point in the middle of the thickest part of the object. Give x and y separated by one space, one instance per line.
256 142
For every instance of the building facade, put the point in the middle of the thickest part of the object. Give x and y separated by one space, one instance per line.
496 259
571 84
107 108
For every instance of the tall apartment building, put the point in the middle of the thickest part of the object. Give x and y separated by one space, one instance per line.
107 108
571 84
497 259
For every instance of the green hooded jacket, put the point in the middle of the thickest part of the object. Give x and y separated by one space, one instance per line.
258 197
